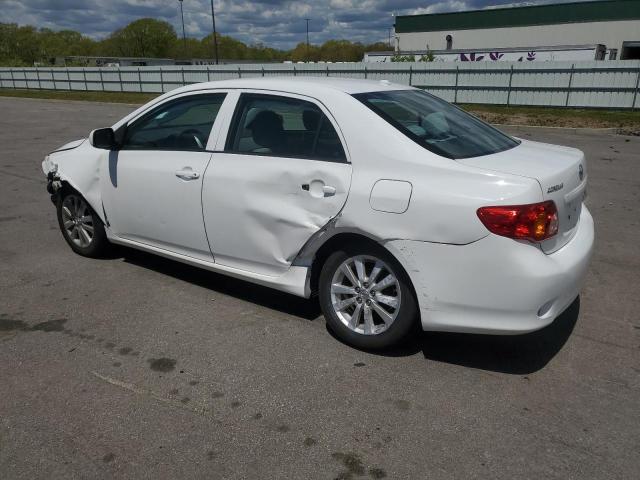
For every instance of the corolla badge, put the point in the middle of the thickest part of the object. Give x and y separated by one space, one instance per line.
555 188
580 172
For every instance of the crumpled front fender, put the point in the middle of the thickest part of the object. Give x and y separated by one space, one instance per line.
79 166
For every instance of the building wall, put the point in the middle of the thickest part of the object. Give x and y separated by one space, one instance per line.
497 54
611 34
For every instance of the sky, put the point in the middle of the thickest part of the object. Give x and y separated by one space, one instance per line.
277 23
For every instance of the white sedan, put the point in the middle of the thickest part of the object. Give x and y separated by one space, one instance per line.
392 205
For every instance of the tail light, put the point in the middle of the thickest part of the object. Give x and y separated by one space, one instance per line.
535 222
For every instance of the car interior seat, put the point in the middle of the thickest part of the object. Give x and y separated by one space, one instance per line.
267 131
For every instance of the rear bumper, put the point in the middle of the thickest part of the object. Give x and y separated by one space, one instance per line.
495 285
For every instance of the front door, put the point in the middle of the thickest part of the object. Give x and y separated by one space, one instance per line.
152 189
282 175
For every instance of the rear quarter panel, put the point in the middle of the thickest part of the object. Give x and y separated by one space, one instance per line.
445 194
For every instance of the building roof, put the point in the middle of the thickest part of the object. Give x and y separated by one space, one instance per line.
575 12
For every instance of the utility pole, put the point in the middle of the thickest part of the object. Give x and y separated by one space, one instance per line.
307 19
215 39
393 14
184 37
389 35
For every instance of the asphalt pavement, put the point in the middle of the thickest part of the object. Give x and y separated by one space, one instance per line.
136 366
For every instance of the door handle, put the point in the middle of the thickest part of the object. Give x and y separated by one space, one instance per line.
329 191
187 174
318 189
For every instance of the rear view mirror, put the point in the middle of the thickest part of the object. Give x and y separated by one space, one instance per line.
103 138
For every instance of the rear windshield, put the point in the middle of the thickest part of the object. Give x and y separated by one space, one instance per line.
437 125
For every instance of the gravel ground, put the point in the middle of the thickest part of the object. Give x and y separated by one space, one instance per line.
140 367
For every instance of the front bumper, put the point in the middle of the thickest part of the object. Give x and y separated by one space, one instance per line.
495 285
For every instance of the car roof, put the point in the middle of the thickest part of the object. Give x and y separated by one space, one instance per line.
314 87
311 86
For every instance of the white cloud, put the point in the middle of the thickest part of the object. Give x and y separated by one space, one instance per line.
279 23
439 7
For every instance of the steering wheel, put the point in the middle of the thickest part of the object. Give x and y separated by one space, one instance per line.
195 135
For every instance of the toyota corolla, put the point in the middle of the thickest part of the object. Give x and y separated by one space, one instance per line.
393 206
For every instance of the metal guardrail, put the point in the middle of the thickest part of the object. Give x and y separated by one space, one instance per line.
586 84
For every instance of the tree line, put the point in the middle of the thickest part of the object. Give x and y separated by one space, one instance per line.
148 37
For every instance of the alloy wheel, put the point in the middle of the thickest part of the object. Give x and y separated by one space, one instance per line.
77 220
365 294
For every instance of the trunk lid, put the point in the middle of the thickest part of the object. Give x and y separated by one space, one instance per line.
561 173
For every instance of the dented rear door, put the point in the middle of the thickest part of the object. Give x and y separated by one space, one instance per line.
261 208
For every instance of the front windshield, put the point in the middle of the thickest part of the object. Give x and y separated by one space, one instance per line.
437 125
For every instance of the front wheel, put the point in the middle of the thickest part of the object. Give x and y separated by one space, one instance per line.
80 225
366 297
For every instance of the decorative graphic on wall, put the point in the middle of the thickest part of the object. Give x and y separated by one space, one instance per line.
471 58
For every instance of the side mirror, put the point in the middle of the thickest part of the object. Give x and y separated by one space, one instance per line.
103 138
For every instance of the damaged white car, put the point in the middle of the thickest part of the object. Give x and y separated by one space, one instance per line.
393 205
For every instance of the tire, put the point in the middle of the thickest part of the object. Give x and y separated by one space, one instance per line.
80 225
365 312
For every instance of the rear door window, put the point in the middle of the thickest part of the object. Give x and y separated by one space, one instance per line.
280 126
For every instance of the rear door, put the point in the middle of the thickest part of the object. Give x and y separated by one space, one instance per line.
281 174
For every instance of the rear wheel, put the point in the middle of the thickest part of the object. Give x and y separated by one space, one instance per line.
366 297
80 225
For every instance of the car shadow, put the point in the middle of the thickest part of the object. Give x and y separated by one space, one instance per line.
511 354
243 290
517 355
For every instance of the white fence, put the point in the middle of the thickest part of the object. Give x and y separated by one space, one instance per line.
604 84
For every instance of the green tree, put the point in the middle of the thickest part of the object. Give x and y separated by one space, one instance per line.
228 48
65 43
148 37
403 58
303 54
261 52
8 48
27 44
191 48
427 57
378 47
341 51
145 37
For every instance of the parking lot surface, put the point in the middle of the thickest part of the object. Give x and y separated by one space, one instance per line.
139 367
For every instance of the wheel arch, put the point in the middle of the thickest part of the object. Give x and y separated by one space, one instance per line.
67 185
314 256
80 169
